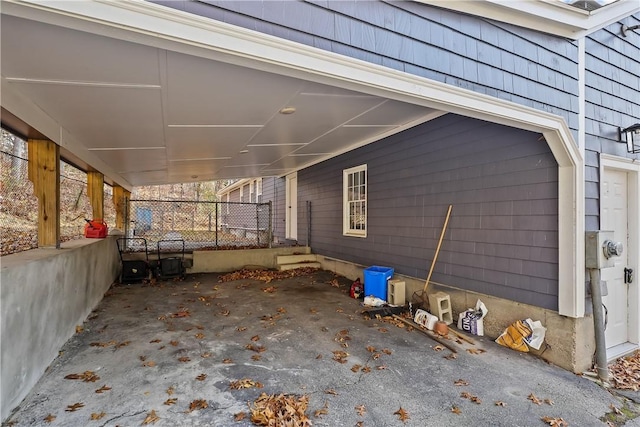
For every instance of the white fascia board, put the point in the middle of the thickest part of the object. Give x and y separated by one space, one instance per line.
155 25
21 106
548 16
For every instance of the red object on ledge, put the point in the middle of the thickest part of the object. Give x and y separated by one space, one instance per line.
95 229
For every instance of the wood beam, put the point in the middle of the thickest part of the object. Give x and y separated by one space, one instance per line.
95 191
44 173
120 201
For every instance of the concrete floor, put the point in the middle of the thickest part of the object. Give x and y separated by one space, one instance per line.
142 345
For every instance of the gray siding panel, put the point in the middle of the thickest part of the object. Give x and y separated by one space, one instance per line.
502 182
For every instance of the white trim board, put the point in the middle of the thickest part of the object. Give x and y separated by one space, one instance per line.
155 25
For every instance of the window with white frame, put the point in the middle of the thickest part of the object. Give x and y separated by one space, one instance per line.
251 192
354 221
241 193
259 190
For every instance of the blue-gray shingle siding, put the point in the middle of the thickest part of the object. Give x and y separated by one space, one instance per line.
502 182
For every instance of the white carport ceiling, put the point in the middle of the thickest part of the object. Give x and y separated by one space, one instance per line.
158 116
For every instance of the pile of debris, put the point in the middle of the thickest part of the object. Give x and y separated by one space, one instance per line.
625 372
280 410
266 275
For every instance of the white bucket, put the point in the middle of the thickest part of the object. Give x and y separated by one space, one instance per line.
425 319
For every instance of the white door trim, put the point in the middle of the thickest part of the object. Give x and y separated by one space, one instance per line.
633 249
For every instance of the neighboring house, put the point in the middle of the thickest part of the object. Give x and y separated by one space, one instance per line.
522 199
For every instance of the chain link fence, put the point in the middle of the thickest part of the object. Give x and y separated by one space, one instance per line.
202 225
18 204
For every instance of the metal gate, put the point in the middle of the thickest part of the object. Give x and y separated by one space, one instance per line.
202 225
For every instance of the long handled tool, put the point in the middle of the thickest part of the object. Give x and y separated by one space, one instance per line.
427 333
435 257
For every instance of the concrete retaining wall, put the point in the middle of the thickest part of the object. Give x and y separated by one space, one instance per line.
570 342
224 261
44 294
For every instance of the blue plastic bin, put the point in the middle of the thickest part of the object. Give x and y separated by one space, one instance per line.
375 281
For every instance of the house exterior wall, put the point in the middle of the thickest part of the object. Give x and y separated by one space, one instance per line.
612 94
273 190
502 238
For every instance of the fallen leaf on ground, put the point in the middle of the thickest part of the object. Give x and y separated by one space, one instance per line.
123 344
149 364
241 328
151 417
103 344
171 401
86 376
381 367
383 330
282 310
103 389
460 382
455 410
402 414
197 405
451 356
475 399
98 416
225 312
366 369
322 411
313 311
438 348
199 335
360 424
319 357
500 403
50 418
184 359
356 368
205 355
334 283
74 407
170 391
371 349
227 361
280 410
155 341
142 358
244 383
360 409
270 289
548 402
614 409
386 351
256 348
174 343
79 329
255 338
555 422
201 377
532 397
239 416
331 391
181 313
476 350
340 356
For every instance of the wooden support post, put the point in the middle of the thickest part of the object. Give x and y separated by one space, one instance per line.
44 173
120 201
95 191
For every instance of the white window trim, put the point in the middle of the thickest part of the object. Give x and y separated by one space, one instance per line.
251 191
241 199
346 230
259 190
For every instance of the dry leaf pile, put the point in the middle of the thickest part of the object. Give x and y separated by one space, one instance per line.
244 383
625 372
280 410
266 275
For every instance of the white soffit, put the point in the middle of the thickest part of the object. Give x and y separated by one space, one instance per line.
549 16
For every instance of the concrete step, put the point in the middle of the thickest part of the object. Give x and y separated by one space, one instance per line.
292 259
292 266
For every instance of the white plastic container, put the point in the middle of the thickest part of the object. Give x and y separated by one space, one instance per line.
425 319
